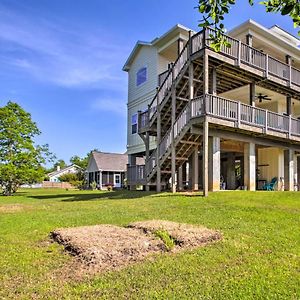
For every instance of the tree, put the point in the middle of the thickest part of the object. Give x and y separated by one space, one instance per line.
20 159
214 11
80 162
59 163
76 179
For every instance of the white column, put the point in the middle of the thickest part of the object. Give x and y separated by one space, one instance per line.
250 166
289 170
214 171
100 180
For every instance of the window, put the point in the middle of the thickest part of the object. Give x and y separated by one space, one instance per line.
134 119
141 76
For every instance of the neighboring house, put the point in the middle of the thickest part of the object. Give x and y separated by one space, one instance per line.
107 169
54 176
202 117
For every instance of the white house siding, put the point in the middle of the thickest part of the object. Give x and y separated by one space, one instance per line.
140 96
55 178
146 57
134 142
162 64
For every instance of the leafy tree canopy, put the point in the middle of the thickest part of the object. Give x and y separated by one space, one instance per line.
20 159
214 12
80 162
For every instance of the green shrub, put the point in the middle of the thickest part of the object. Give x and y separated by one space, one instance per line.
93 185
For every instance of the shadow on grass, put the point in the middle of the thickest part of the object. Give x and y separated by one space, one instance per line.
114 195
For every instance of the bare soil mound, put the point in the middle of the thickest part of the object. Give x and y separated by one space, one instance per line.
185 235
106 247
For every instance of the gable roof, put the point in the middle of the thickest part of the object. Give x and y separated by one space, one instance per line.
54 173
110 161
275 33
140 44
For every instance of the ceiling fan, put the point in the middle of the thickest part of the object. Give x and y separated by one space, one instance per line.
262 97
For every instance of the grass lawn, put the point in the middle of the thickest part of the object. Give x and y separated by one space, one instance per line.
258 258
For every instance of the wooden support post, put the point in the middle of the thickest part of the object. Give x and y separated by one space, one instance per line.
147 148
252 94
289 170
191 86
173 154
288 105
249 39
158 139
191 81
214 171
267 66
288 60
205 73
184 174
179 46
180 177
195 169
249 42
250 166
214 82
205 125
205 158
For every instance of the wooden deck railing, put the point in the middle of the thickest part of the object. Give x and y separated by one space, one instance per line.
166 85
245 114
239 51
257 59
162 76
231 110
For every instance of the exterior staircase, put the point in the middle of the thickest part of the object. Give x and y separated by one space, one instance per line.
175 83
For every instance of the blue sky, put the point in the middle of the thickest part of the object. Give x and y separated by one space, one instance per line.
62 61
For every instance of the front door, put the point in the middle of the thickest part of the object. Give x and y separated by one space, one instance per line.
117 179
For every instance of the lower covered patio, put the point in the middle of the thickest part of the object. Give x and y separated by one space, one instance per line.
240 165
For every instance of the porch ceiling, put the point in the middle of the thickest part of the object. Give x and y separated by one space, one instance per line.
243 94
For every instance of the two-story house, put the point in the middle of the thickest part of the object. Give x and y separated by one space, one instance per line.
212 120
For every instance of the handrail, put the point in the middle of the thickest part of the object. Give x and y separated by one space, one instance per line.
162 76
168 81
232 110
238 50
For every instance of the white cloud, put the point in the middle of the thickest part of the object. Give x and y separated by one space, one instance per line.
70 57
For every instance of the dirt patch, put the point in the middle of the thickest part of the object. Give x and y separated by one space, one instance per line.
185 236
106 247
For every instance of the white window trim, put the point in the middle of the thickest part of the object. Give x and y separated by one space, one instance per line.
137 125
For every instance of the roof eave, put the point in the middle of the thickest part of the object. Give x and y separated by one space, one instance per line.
134 51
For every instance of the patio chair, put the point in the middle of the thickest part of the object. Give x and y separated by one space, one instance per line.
270 186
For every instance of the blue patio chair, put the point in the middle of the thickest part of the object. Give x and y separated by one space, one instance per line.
271 185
